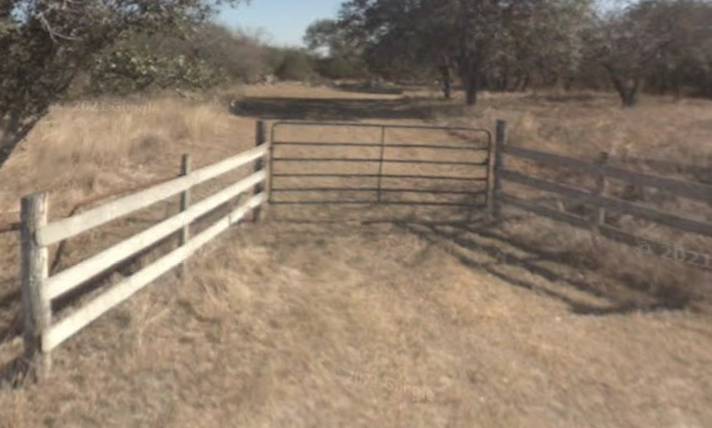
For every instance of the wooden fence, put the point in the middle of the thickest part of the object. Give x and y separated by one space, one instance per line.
597 222
42 333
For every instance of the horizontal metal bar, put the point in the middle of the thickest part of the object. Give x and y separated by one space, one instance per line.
698 191
368 160
374 202
408 177
324 143
346 189
378 145
376 125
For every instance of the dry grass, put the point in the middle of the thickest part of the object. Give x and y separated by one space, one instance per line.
337 326
98 148
408 324
660 137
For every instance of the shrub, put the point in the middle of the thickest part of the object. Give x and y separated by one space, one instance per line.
296 65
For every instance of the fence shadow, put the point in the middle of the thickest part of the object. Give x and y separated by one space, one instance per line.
467 244
340 109
365 88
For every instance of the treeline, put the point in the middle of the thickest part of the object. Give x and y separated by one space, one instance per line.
663 46
208 56
54 49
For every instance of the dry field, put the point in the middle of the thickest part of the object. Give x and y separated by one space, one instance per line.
405 323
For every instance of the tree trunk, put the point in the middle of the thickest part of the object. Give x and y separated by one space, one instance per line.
526 82
15 130
471 88
628 93
470 75
446 78
569 83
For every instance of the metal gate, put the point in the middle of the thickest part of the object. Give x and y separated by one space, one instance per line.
380 165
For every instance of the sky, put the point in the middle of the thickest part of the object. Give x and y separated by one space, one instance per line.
284 21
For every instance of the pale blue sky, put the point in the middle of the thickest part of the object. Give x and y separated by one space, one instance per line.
284 20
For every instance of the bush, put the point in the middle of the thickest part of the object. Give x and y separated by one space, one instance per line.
340 68
295 65
125 71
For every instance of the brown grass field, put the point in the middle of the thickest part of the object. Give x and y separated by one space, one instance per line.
324 316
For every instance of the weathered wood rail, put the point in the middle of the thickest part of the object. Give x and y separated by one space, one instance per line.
597 199
43 333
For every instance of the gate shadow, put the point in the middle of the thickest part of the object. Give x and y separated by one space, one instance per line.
462 241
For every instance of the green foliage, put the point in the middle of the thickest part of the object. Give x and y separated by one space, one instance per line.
295 65
46 44
127 71
340 68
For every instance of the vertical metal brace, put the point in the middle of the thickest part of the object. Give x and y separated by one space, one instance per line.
380 165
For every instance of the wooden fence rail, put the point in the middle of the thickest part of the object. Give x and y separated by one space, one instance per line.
42 334
597 198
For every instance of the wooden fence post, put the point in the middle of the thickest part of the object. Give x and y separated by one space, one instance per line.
598 218
494 205
185 168
260 139
35 264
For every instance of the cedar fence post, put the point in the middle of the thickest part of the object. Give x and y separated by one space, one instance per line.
598 217
36 305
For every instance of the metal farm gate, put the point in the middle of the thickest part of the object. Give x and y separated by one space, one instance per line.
379 166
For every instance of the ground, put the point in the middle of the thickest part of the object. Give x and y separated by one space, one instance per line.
402 324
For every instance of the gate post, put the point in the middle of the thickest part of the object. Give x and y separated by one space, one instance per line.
36 305
494 205
260 139
185 168
598 216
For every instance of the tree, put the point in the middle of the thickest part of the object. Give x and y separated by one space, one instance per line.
687 60
296 65
481 40
47 43
648 39
338 55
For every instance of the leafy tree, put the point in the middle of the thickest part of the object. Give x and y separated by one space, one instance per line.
296 65
126 71
340 56
636 41
47 43
482 40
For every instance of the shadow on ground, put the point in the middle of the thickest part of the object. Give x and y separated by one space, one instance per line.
480 246
342 109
